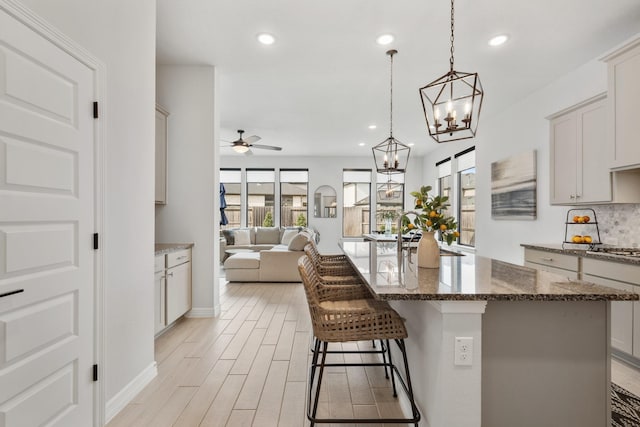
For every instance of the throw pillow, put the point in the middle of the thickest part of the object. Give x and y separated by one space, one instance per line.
288 235
267 236
228 235
242 237
298 242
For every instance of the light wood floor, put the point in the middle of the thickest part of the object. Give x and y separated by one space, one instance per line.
249 367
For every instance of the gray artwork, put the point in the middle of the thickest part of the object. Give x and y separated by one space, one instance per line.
513 187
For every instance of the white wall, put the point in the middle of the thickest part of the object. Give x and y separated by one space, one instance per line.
324 171
518 128
187 92
121 34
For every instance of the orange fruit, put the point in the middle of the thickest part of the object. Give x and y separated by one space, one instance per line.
455 233
587 239
433 214
429 223
576 218
410 226
577 239
418 202
586 218
443 227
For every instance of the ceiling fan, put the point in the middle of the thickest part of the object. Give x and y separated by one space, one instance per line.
243 145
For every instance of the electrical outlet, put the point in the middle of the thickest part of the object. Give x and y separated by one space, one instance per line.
463 352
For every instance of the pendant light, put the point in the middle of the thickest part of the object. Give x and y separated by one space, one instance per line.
452 102
391 156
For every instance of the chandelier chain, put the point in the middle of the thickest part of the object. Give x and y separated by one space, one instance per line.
452 37
391 98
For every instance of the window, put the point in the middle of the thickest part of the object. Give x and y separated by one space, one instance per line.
232 181
356 202
294 187
466 166
261 198
444 182
389 200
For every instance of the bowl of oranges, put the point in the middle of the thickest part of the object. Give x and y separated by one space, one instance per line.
581 219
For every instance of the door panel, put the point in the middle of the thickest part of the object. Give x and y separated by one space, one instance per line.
46 224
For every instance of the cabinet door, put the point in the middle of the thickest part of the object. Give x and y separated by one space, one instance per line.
621 314
159 305
564 140
178 291
594 180
161 156
624 89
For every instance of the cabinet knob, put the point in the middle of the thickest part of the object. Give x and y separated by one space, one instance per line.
572 196
547 259
169 274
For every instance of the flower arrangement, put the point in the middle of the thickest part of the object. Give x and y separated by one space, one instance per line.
432 217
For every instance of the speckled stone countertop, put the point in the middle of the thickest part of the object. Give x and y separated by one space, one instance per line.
165 248
555 248
466 278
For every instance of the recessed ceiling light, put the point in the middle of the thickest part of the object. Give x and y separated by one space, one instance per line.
498 40
361 144
266 38
385 39
372 126
411 144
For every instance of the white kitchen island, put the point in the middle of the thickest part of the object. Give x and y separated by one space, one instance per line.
540 342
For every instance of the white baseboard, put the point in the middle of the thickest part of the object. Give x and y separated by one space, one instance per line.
216 310
201 312
126 395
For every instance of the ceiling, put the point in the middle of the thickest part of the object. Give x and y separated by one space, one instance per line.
316 90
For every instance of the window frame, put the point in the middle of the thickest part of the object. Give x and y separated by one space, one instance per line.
366 213
248 194
281 182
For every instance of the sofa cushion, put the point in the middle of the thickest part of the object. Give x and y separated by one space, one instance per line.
287 235
243 260
242 236
267 235
299 241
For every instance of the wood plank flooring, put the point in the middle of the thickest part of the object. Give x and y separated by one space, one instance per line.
249 367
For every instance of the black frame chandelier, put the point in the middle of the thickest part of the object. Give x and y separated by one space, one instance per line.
452 102
391 156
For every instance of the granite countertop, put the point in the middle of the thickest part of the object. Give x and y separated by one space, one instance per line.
165 248
556 248
466 278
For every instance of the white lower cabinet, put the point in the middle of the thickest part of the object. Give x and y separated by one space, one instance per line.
625 316
565 265
172 287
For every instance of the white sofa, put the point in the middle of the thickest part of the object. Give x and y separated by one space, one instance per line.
276 263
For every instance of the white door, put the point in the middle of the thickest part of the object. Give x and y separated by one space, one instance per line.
46 226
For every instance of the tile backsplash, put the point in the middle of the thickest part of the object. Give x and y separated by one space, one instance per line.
619 224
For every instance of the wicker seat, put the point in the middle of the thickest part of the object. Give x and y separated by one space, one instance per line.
340 314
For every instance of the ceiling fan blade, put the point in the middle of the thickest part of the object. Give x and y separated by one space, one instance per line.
267 147
252 138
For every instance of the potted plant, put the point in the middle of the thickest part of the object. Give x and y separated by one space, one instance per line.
431 218
388 215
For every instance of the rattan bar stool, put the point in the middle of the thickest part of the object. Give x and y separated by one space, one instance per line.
345 318
334 268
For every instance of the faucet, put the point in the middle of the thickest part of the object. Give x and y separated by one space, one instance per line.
400 248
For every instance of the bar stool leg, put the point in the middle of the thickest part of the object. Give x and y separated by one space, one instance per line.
384 359
393 377
403 349
322 363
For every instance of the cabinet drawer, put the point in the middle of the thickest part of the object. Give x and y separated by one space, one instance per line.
627 273
178 257
570 275
565 262
158 264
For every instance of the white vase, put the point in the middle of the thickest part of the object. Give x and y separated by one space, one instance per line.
428 251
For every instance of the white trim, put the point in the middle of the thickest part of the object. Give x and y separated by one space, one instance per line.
460 307
68 45
216 310
128 392
201 312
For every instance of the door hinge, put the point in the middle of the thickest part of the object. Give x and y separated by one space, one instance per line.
95 372
95 110
95 241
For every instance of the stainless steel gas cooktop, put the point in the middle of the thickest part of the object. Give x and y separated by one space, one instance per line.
626 252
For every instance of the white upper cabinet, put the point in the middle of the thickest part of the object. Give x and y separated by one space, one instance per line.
624 106
161 155
578 144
